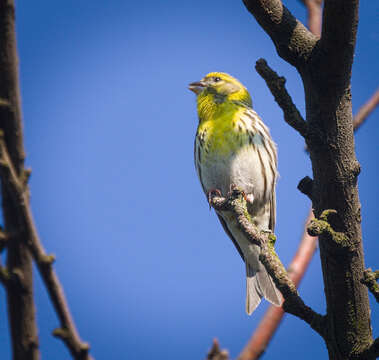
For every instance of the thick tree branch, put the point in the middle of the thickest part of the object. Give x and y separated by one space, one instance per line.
292 40
337 43
370 280
261 337
293 304
276 84
17 188
335 169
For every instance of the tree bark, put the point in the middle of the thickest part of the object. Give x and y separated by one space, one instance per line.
21 308
325 67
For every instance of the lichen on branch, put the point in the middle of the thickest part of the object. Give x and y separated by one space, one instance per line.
370 280
321 226
293 304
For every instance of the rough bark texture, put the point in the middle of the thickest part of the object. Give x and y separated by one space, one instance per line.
21 309
325 67
335 171
292 40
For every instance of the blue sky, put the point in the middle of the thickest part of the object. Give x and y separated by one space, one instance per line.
109 128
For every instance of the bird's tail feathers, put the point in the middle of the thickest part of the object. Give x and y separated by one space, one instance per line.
259 284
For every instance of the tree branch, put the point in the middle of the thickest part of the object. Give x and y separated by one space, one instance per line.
294 43
20 299
370 280
276 84
215 353
314 15
293 304
19 197
272 318
365 110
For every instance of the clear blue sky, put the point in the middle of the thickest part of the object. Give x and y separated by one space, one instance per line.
109 128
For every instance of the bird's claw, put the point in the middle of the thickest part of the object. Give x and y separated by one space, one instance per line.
210 193
247 198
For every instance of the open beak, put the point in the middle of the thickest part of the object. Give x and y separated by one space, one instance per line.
197 87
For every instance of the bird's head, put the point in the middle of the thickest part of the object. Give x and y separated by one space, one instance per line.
221 86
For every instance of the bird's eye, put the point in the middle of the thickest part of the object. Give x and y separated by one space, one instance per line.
217 79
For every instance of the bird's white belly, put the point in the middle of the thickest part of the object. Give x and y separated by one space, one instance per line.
242 168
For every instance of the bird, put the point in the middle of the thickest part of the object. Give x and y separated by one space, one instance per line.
234 148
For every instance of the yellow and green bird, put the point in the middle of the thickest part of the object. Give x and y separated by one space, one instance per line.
234 147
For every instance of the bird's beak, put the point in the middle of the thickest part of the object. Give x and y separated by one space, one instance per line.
197 87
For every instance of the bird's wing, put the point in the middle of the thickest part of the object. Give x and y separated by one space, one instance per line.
272 221
225 226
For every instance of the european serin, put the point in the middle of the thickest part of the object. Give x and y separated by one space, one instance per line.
234 147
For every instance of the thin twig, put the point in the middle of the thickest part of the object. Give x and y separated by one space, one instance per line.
365 110
215 353
276 85
293 304
18 189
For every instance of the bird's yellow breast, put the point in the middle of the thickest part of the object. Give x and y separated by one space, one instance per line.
220 129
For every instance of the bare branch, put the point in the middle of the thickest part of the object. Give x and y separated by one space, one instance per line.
293 304
292 40
19 193
366 110
370 280
21 308
276 84
314 12
274 315
263 334
215 353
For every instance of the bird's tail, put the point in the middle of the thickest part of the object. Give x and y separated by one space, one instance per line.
259 284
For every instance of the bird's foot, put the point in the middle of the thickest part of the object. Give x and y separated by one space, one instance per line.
248 198
212 192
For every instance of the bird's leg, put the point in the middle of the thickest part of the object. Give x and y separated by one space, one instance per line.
248 198
212 192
